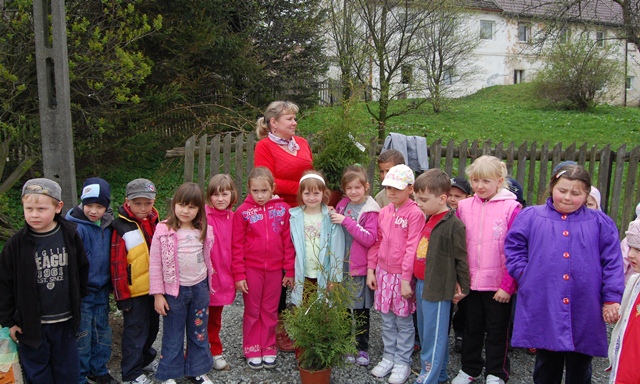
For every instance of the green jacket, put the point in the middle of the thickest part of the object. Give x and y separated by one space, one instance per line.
446 261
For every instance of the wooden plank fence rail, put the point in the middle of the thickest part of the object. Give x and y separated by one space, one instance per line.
613 172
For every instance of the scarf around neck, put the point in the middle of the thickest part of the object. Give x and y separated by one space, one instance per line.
291 144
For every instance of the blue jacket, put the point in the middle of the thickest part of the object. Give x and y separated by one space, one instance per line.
333 238
97 245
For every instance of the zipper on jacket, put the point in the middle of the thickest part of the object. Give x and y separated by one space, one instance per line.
266 223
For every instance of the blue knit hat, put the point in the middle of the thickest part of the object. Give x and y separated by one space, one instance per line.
96 191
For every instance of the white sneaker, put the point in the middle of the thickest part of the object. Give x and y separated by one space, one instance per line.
142 379
493 380
464 378
255 362
269 362
219 363
202 379
399 374
383 368
170 381
152 367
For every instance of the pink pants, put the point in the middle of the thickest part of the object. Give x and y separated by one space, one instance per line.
261 312
213 329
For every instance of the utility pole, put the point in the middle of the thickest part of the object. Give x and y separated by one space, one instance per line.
54 96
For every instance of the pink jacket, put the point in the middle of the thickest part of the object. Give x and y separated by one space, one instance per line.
398 237
164 274
487 223
363 231
222 280
262 238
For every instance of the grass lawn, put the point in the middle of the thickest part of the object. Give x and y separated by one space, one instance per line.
500 113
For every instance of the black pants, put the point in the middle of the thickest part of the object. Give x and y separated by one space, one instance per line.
459 318
140 328
362 317
549 367
485 315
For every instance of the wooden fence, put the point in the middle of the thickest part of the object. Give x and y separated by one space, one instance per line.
614 172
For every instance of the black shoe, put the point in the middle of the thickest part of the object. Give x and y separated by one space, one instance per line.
103 379
457 345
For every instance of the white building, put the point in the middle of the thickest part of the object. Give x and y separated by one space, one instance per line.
507 52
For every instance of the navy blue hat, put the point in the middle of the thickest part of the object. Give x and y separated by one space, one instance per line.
96 191
462 184
517 190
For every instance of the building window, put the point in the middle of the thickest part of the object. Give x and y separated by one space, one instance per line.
407 74
447 76
601 36
524 33
629 82
518 76
486 30
563 36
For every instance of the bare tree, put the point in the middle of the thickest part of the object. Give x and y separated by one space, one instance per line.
391 34
345 45
447 58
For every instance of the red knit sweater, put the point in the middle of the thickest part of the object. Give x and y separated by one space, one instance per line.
286 168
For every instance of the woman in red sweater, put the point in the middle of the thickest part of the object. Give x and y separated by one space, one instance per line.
287 156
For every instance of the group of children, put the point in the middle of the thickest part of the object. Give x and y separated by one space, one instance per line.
422 246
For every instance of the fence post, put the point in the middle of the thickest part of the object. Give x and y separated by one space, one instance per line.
202 159
462 155
604 176
226 155
448 159
189 157
532 172
629 203
214 161
239 158
617 181
544 165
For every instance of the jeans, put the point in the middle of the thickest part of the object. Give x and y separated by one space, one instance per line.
190 311
94 335
55 361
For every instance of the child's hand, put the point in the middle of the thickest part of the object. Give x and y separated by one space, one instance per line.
611 312
287 282
160 304
458 295
405 289
336 218
12 332
242 286
501 296
371 279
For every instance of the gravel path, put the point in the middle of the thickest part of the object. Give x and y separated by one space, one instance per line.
287 372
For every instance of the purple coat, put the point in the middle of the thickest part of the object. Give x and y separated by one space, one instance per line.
567 267
364 233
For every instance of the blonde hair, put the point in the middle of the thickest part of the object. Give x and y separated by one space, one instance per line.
274 110
488 167
260 173
313 184
222 183
35 198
